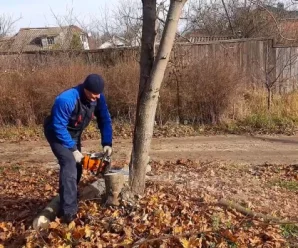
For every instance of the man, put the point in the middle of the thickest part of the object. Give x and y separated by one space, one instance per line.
71 113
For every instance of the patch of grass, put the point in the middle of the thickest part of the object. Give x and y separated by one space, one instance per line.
289 231
215 222
247 225
232 244
212 245
14 133
261 123
289 185
15 167
229 225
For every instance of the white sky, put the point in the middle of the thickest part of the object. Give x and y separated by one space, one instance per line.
39 13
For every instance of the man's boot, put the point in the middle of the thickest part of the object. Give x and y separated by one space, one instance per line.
67 218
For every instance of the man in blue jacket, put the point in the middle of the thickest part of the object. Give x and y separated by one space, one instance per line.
71 113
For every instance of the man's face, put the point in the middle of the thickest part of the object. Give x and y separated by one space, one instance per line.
91 96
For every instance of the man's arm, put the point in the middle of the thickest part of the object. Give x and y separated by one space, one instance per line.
104 121
61 113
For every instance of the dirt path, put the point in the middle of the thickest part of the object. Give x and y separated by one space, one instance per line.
237 169
229 148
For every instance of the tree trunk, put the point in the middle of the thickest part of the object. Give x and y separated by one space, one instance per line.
152 73
269 98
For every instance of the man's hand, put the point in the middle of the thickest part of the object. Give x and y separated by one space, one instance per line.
108 150
78 156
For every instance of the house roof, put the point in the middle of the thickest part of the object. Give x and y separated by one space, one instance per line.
115 41
25 39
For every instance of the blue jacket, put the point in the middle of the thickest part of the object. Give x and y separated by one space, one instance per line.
72 113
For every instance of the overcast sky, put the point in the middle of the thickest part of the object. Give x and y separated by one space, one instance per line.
38 13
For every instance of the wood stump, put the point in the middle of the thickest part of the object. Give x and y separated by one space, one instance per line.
114 183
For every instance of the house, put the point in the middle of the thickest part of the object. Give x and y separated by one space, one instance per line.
117 41
47 38
113 42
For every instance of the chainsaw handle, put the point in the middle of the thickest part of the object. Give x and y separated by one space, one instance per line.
105 159
106 156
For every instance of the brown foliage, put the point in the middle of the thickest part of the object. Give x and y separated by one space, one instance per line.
204 94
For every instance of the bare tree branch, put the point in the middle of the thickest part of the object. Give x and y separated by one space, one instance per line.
7 24
275 21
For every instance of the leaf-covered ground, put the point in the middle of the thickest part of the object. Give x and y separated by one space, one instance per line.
179 209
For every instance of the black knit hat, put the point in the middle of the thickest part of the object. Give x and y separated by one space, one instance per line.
94 83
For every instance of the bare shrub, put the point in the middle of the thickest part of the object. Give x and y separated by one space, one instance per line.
27 96
122 88
208 91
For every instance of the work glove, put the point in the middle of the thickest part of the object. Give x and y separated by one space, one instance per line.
78 156
107 150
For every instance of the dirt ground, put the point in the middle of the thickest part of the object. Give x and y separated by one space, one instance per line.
235 165
225 148
257 172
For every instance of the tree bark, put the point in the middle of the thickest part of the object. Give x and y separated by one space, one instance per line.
114 183
152 74
269 98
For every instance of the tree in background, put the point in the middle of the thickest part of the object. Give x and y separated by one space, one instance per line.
7 24
244 19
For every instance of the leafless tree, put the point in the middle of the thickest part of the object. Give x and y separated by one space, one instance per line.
7 23
276 71
242 18
125 21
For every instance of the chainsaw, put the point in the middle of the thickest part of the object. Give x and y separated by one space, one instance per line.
97 163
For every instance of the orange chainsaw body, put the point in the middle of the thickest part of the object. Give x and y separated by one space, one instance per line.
94 163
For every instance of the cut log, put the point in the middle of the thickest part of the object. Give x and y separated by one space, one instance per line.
111 186
47 215
43 219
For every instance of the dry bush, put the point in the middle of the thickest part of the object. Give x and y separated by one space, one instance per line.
207 91
27 96
122 89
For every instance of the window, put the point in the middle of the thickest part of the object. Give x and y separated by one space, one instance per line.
51 40
83 38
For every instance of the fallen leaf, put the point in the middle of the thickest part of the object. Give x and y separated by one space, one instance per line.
177 229
48 187
126 241
3 226
71 225
78 233
128 231
53 225
88 231
68 236
2 236
184 242
229 235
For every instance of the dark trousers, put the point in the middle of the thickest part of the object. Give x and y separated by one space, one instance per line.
69 176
